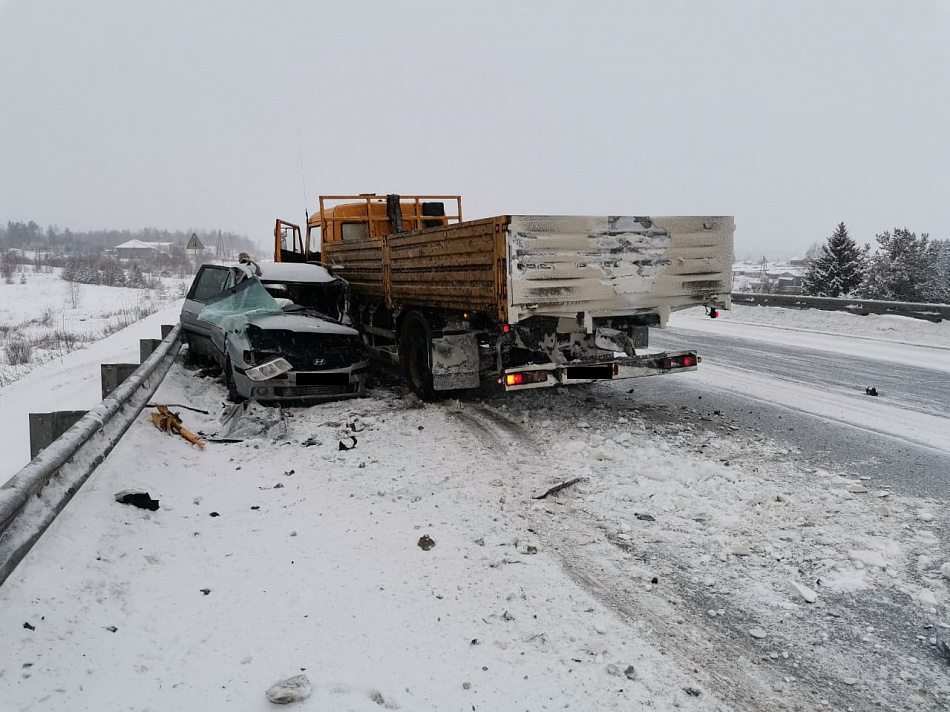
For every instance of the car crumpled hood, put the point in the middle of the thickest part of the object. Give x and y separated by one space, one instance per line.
301 323
248 303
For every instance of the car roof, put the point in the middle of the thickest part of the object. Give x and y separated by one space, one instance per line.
289 272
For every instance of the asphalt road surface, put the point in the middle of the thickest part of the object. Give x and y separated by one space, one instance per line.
905 467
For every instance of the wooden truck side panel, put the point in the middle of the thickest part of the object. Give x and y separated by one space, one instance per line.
360 263
452 267
520 266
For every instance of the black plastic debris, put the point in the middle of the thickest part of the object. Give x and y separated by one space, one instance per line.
425 542
692 691
137 498
343 446
111 628
645 517
871 391
205 591
310 442
214 514
28 626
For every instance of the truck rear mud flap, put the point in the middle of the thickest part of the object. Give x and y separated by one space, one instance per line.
543 376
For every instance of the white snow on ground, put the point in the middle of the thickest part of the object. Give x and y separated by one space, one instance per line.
58 316
811 325
677 553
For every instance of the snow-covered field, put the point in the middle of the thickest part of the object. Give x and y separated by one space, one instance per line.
55 317
692 566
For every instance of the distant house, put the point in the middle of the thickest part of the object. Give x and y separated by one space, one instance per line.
135 249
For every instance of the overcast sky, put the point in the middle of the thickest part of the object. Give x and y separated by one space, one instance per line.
792 116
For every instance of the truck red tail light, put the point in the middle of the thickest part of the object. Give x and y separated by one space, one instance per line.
685 361
523 377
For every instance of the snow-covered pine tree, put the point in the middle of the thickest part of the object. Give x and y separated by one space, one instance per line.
904 269
838 269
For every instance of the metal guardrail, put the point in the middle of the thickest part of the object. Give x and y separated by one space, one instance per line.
34 496
930 312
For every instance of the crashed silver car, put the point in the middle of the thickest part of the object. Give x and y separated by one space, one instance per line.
276 330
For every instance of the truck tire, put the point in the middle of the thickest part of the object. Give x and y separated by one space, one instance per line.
415 346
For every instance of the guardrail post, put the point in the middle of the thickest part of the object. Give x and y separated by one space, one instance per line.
46 427
113 374
167 329
147 348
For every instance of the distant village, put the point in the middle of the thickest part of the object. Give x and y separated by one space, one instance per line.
766 277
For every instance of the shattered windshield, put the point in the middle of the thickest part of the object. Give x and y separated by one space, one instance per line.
237 306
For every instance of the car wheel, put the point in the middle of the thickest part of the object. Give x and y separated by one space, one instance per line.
233 395
414 354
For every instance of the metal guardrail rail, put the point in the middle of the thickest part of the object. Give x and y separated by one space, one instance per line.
930 312
34 496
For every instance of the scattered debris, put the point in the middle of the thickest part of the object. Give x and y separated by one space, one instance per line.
111 628
871 391
28 626
645 517
425 542
293 689
206 591
178 405
137 498
343 445
558 488
214 514
170 423
630 672
310 442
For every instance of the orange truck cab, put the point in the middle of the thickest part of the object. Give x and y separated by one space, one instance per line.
348 218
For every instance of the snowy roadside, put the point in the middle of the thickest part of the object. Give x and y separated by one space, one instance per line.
677 553
70 381
811 324
285 553
45 318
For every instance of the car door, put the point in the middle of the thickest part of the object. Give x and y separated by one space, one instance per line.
210 282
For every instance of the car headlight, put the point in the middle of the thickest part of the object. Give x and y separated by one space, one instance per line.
267 370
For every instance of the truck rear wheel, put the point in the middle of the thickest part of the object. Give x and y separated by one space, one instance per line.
415 346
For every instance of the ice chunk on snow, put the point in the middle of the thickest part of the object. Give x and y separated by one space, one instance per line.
868 558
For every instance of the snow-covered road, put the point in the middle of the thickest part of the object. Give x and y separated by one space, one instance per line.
677 553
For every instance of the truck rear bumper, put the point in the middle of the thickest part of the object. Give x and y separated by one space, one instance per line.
546 375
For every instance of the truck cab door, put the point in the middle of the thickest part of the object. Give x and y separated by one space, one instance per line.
288 243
